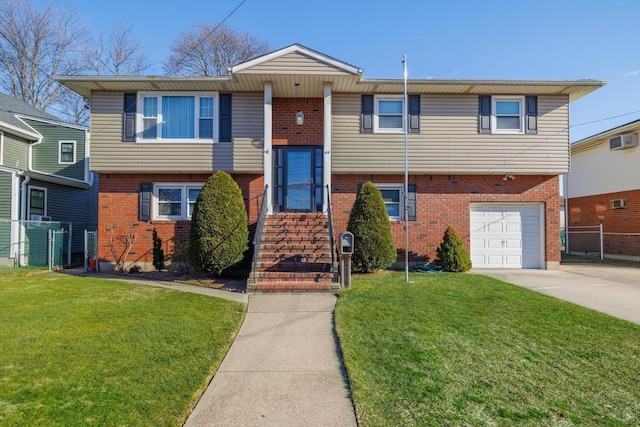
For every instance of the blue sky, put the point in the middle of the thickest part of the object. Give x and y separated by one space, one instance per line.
460 39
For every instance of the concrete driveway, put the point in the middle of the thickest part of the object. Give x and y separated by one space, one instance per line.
611 289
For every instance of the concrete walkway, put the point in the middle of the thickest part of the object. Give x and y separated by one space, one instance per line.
284 369
610 289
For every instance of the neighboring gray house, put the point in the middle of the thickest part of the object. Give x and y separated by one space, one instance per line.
44 173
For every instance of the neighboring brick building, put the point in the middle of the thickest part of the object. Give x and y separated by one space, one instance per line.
603 187
484 156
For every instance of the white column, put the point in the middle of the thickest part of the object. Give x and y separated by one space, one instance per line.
326 160
268 146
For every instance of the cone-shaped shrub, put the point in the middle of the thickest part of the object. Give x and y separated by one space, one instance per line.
369 223
452 255
219 230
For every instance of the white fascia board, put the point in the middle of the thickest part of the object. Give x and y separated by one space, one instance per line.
51 122
20 132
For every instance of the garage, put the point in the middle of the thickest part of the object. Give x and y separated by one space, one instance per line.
507 235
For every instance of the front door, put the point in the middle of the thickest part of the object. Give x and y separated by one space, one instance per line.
298 179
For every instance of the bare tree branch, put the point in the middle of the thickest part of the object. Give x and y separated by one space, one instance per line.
36 44
209 51
118 53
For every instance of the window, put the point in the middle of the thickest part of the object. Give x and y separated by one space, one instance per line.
37 203
66 152
508 117
393 200
388 115
177 117
175 201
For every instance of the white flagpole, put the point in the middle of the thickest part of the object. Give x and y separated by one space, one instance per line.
405 118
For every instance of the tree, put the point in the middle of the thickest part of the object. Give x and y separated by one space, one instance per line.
452 255
219 230
36 44
369 223
117 54
209 50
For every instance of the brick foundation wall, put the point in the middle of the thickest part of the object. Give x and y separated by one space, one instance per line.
444 200
118 213
595 210
285 129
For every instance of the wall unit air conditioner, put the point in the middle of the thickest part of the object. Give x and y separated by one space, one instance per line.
621 142
618 203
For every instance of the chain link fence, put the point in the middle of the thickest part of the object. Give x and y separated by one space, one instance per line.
45 244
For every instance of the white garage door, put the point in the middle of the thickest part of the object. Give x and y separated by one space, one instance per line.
506 236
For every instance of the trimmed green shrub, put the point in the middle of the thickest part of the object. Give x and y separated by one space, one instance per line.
369 223
219 230
452 255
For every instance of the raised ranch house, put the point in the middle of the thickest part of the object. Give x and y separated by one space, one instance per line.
484 157
603 187
44 178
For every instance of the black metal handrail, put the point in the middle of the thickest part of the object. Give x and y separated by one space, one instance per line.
331 242
257 236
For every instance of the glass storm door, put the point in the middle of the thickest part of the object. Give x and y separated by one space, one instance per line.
298 179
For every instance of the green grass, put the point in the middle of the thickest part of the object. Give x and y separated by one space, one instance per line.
462 349
85 351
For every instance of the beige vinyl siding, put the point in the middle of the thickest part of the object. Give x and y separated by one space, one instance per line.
46 154
16 152
449 141
599 170
248 132
109 153
294 63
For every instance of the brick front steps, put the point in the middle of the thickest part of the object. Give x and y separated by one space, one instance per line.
294 255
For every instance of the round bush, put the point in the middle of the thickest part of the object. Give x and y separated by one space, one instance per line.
219 230
369 223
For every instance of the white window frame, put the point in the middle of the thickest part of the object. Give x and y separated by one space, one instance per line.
376 113
184 202
494 115
196 117
29 189
60 161
1 148
400 188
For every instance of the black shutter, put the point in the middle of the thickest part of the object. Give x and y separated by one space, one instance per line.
225 117
414 113
531 119
484 116
411 202
144 204
366 120
129 118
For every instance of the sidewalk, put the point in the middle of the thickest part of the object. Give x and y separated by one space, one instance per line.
284 369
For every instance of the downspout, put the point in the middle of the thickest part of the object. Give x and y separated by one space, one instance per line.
23 215
23 197
30 160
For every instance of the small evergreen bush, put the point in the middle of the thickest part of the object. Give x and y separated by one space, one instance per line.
219 230
158 252
369 223
452 255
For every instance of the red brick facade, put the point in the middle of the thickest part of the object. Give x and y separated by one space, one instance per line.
444 200
118 213
285 129
591 211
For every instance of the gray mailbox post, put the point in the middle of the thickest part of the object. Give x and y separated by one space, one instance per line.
345 249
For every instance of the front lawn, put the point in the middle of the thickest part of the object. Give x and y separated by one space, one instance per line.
463 349
85 351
